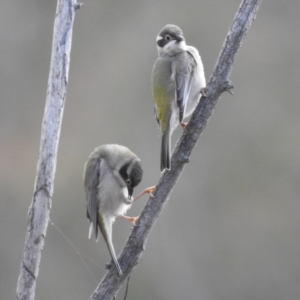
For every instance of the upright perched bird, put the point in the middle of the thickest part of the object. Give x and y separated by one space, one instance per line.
110 175
177 83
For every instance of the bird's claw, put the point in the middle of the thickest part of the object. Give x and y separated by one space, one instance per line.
183 125
150 190
134 220
203 92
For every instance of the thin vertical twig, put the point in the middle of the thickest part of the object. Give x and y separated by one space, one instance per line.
39 210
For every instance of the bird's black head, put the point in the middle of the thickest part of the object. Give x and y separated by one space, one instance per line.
169 33
132 174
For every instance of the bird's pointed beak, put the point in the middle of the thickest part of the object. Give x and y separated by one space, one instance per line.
179 38
130 192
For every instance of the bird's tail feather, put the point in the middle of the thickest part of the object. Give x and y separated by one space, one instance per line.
106 230
165 158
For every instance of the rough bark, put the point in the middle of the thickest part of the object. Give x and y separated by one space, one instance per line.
217 84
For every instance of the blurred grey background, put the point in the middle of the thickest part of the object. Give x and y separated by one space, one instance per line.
231 229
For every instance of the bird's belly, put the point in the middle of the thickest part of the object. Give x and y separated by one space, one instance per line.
112 199
122 207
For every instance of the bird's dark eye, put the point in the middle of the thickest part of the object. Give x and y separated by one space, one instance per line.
128 181
167 38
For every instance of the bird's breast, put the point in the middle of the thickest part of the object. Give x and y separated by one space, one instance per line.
163 89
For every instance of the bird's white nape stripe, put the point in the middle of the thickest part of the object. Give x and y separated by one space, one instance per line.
158 38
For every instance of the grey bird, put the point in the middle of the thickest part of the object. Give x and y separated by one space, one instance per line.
177 84
110 176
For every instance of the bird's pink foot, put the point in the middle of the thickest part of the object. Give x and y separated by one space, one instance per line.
146 191
133 220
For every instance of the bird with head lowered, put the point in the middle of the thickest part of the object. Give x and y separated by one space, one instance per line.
110 176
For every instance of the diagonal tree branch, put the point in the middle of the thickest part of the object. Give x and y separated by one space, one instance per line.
218 83
39 210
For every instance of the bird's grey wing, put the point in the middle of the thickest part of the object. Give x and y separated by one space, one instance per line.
92 176
183 80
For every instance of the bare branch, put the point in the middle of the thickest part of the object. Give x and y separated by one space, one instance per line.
218 83
39 210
